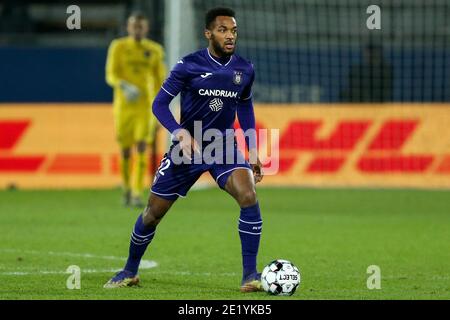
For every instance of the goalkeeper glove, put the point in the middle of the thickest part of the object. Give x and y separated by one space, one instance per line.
130 91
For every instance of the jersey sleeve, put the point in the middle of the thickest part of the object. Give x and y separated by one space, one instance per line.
112 64
247 92
177 79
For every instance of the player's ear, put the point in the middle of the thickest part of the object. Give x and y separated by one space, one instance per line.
207 34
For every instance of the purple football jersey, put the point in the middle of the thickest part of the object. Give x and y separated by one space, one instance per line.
210 91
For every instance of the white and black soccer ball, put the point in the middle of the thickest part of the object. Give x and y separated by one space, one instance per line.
280 278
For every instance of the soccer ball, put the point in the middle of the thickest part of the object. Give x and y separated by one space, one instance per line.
280 278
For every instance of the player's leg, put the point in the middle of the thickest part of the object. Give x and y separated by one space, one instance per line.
171 181
125 171
124 137
140 169
142 130
152 141
143 233
125 155
240 185
144 229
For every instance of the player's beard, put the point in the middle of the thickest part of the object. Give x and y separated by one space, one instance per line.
219 49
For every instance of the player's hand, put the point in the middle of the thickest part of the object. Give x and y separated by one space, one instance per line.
130 91
187 143
257 168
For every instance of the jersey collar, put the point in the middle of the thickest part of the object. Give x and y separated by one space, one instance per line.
222 65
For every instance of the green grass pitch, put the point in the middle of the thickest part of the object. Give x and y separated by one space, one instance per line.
331 235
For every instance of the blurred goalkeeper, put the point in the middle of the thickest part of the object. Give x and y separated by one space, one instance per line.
135 70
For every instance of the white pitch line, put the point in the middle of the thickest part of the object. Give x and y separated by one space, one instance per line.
44 272
145 264
178 273
67 254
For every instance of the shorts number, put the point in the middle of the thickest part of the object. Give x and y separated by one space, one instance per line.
165 163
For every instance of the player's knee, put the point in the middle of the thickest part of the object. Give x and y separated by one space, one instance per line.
141 146
151 217
126 153
247 198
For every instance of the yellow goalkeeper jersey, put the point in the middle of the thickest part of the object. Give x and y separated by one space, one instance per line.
139 63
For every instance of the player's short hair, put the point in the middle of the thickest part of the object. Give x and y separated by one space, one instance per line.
138 15
212 14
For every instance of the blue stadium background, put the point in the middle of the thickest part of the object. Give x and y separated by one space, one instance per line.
77 74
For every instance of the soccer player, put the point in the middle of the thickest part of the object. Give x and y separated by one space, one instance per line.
214 84
135 69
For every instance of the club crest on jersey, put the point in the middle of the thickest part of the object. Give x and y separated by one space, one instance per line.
237 78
